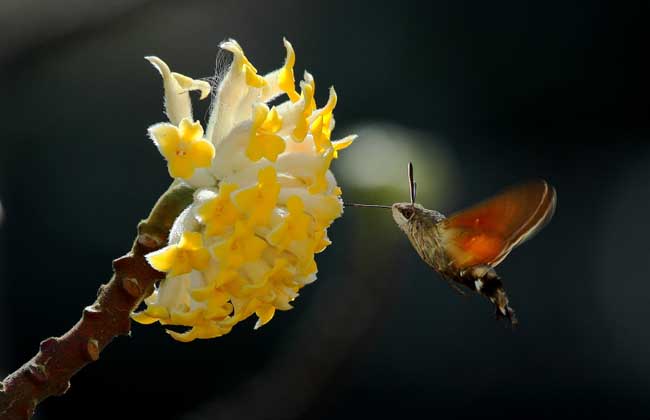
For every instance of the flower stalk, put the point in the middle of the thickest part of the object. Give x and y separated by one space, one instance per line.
48 373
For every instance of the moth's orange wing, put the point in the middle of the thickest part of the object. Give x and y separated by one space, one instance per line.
488 231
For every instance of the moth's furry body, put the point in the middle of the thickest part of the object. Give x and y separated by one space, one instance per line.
425 232
422 231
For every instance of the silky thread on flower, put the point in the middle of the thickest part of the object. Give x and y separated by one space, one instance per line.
264 196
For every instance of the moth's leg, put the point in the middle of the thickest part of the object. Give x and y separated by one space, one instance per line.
487 282
456 287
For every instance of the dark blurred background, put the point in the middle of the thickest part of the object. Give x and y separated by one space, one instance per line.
478 94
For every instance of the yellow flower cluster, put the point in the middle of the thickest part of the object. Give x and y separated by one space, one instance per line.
263 202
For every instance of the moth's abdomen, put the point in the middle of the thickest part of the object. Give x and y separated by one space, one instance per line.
483 279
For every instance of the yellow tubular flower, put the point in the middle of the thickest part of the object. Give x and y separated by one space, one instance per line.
344 143
242 246
184 147
294 227
189 254
308 87
321 141
320 182
264 142
286 79
243 65
328 113
219 214
263 202
257 201
177 88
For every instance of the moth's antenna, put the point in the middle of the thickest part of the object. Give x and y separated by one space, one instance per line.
379 206
412 184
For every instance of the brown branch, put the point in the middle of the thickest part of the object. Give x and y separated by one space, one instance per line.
49 372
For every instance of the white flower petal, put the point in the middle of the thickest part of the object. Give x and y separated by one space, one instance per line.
231 91
230 156
172 292
185 222
200 178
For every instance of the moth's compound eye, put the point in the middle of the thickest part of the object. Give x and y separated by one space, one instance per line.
407 212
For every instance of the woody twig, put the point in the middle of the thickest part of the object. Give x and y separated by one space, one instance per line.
59 358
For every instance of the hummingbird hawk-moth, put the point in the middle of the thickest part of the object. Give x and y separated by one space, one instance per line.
466 246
